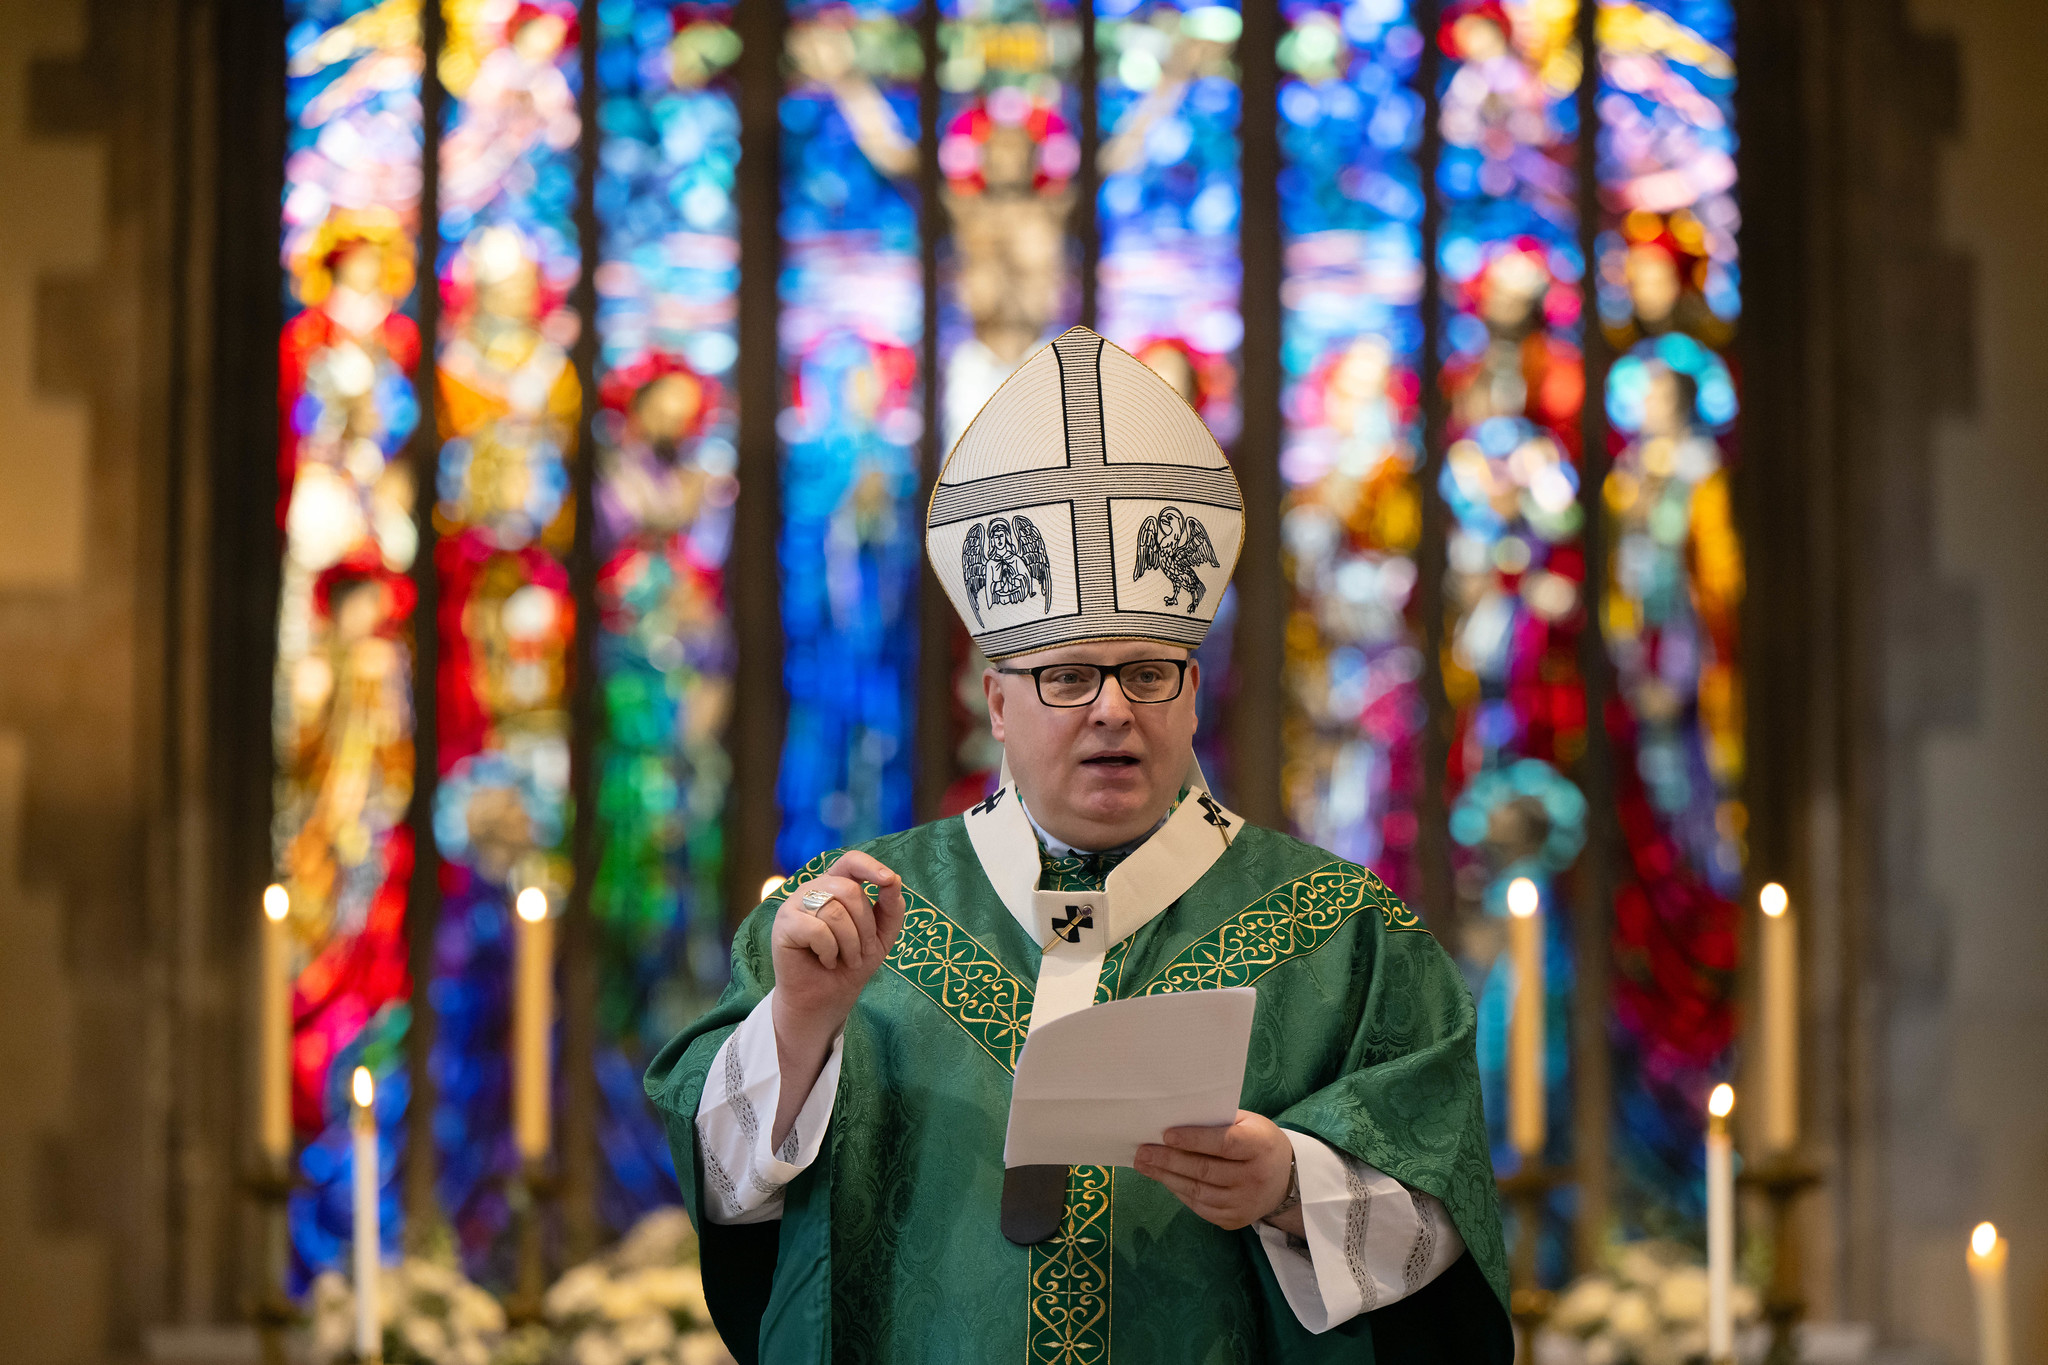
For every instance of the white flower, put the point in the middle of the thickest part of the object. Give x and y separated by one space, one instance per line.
595 1346
702 1348
1584 1305
1631 1319
1682 1298
576 1293
425 1336
646 1334
622 1299
1603 1349
663 1237
430 1277
679 1289
473 1310
1644 1263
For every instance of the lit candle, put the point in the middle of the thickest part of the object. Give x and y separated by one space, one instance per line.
1987 1275
363 1126
274 1032
770 887
1720 1228
533 1011
1778 1018
1525 1025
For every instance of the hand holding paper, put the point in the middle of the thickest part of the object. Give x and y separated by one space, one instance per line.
1095 1085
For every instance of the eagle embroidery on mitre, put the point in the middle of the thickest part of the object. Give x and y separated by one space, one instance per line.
1175 544
1068 510
1014 559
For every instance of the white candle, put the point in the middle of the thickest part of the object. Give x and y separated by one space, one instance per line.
1987 1276
363 1127
1778 1019
1525 1024
1720 1228
533 1014
274 1032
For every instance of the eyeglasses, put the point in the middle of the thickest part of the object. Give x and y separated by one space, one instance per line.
1141 680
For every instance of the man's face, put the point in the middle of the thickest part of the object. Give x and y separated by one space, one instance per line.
1099 775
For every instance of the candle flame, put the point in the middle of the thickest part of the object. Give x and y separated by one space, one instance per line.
1983 1241
1722 1102
770 887
1523 898
277 903
533 905
1773 899
364 1087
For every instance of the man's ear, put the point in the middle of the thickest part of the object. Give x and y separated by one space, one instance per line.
1194 688
992 690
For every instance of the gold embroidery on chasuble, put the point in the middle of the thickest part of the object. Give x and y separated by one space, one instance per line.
963 977
1069 1318
1287 922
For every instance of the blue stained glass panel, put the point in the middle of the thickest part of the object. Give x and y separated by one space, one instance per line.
1351 209
851 542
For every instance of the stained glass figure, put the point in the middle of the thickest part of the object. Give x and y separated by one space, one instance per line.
1513 382
342 708
509 402
852 319
1351 211
1669 299
665 493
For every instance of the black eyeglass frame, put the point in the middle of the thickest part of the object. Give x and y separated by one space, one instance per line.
1105 672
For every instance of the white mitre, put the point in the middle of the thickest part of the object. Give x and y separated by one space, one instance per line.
1086 501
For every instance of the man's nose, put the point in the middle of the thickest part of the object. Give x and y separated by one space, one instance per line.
1112 707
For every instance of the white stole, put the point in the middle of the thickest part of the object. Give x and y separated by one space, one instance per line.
1076 929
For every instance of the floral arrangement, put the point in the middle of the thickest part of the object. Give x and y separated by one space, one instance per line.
641 1303
1650 1308
431 1315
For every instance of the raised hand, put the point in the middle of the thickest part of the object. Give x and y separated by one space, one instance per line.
823 959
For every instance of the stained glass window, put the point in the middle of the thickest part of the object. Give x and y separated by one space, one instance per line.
1009 153
1669 299
1017 245
342 715
1351 211
509 401
665 493
852 320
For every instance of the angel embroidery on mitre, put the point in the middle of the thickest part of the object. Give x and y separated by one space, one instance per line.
1006 567
1176 544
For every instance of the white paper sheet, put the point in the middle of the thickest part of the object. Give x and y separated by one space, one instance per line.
1093 1086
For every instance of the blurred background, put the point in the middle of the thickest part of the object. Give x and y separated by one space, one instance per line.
448 452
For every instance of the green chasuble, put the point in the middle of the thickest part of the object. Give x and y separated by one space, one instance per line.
890 1247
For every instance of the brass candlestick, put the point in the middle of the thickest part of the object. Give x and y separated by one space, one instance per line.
270 1184
532 1195
1782 1177
1529 1304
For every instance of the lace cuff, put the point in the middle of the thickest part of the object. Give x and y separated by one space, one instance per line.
743 1179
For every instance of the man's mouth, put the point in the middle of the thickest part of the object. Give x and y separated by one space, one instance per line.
1111 761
